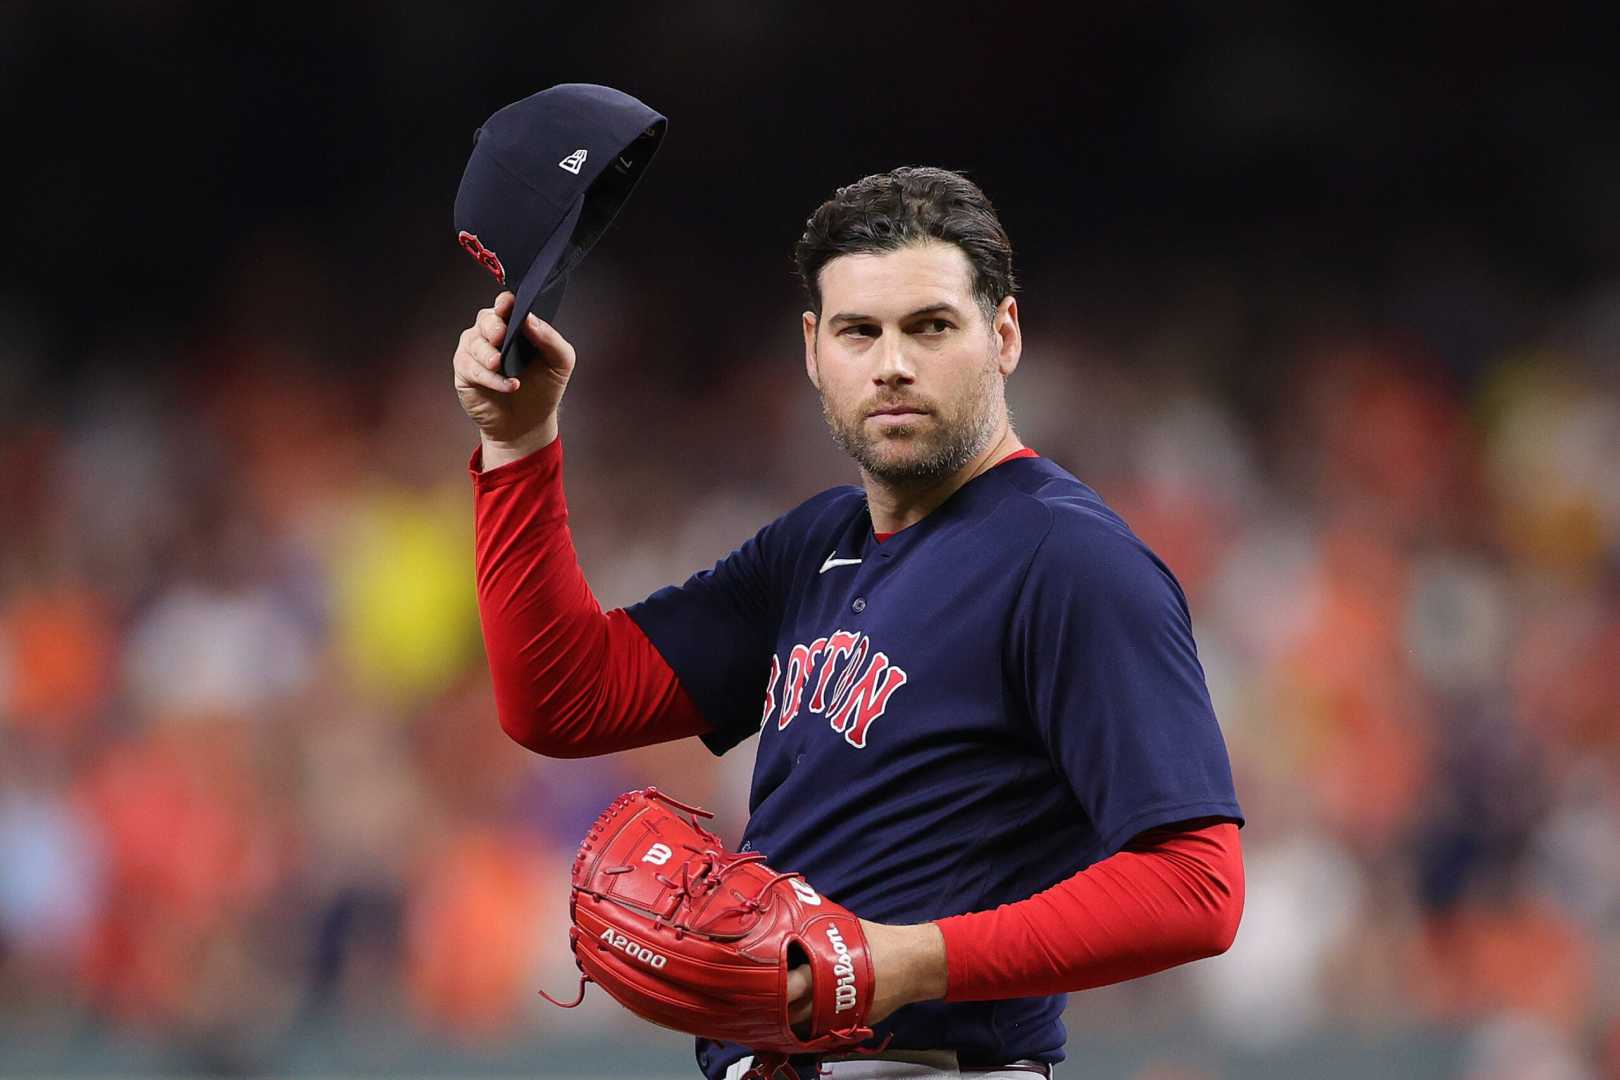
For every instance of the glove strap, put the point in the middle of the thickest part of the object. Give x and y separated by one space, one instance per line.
583 979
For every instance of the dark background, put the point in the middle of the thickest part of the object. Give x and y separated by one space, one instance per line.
1324 298
1342 149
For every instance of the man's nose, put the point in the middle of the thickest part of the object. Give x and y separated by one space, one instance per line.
894 367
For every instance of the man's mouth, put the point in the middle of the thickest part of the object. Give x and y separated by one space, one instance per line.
899 410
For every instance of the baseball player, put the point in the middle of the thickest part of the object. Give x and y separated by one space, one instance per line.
982 722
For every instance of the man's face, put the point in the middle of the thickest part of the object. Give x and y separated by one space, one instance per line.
910 370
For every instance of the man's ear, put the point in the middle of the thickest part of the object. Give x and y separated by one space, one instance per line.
810 322
1009 337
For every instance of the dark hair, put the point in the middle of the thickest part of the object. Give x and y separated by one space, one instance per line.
887 211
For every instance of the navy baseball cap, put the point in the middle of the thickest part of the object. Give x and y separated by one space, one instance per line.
546 177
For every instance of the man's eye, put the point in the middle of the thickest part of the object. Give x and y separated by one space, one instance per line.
861 329
936 326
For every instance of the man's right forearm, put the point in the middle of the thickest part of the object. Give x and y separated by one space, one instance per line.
498 453
569 679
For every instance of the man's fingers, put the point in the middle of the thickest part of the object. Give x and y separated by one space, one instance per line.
474 344
798 984
471 371
491 325
503 304
484 353
536 329
548 340
798 992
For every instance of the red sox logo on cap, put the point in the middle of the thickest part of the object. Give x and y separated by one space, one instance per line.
477 250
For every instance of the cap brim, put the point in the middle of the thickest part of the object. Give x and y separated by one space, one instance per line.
534 296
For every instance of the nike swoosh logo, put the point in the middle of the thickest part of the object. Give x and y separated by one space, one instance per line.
833 560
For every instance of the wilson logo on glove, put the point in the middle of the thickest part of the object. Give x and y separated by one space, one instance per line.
630 948
648 876
844 968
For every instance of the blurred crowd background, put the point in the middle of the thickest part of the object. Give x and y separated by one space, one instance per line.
1326 304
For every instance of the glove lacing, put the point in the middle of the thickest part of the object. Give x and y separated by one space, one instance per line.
715 864
768 1064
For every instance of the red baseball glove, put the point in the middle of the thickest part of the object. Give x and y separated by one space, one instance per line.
694 937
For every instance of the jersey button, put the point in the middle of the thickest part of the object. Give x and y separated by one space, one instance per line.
859 605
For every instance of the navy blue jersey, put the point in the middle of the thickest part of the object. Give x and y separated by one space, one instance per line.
955 718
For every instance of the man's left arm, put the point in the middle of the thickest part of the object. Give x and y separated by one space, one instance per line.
1170 896
1101 647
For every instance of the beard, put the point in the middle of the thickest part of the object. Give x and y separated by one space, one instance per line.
926 451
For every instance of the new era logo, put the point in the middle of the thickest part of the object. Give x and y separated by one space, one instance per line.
573 162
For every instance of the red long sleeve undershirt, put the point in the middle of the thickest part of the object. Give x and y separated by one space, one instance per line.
573 681
570 681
